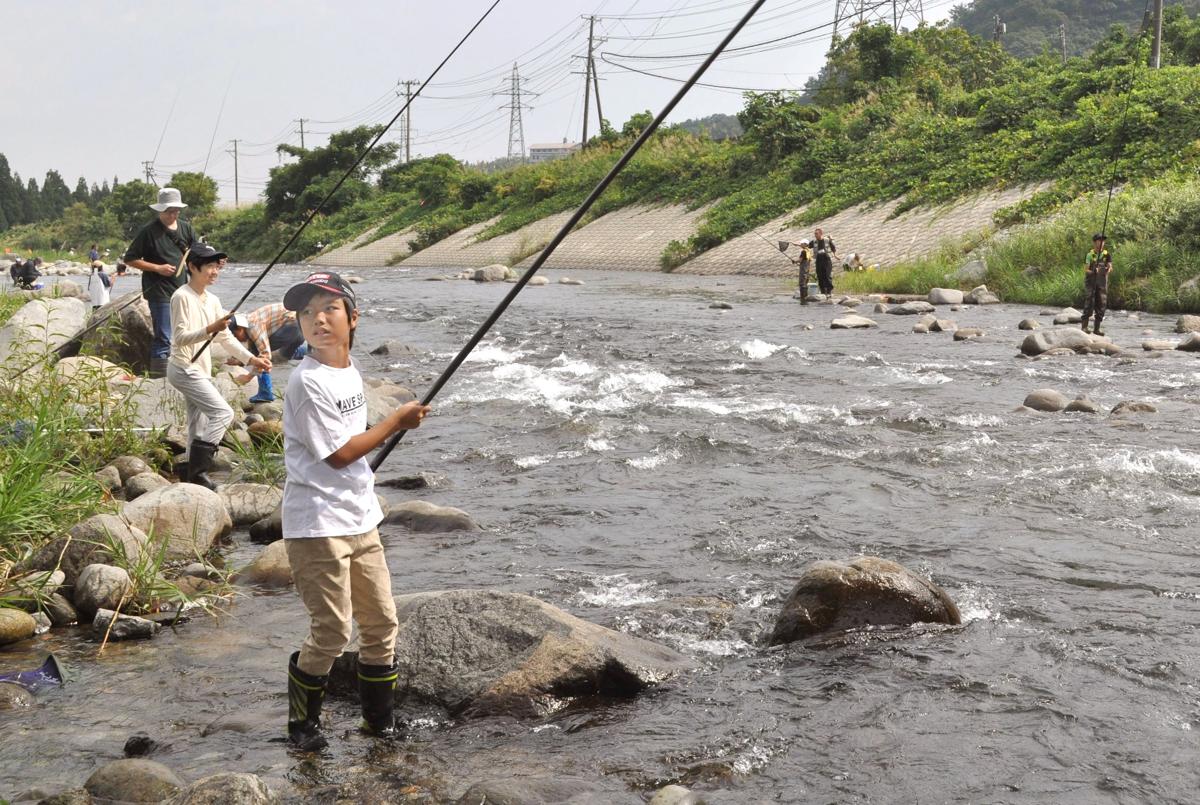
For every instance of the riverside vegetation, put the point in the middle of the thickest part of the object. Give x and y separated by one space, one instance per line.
923 117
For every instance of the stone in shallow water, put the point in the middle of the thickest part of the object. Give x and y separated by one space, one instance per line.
1046 400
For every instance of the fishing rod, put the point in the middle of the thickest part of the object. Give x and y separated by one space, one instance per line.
566 228
778 246
1112 183
313 213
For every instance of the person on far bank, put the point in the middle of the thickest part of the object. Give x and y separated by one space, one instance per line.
331 515
1096 268
98 286
265 330
157 251
804 264
196 315
824 251
93 254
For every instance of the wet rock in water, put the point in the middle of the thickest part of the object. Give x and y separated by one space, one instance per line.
911 308
849 301
1189 344
108 478
422 480
125 627
868 591
268 433
129 466
1152 345
1068 315
249 503
569 281
1046 400
41 622
1029 324
921 328
60 611
1082 405
924 323
534 791
676 795
945 296
270 568
491 652
190 517
956 308
968 334
269 528
420 515
15 697
396 349
721 306
808 327
852 322
15 624
226 788
1071 338
133 780
538 281
139 745
384 397
980 295
143 483
943 326
496 272
881 307
1187 324
101 587
1134 407
72 796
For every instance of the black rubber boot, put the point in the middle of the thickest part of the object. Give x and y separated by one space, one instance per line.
200 461
377 690
305 695
158 368
1097 329
1084 326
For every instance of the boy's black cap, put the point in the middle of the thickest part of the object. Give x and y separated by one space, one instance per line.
1098 236
298 295
202 253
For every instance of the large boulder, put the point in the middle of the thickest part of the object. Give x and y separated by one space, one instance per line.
1071 338
911 308
490 652
497 272
1187 324
249 503
133 780
226 788
126 332
190 517
420 515
868 591
41 325
945 296
980 295
100 539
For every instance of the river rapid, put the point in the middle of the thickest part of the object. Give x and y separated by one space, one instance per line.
666 469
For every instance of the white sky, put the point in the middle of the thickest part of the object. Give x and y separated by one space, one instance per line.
100 83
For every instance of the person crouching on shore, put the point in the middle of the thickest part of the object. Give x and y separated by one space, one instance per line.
197 314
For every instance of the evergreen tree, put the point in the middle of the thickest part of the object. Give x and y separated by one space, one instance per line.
81 191
56 196
10 196
31 202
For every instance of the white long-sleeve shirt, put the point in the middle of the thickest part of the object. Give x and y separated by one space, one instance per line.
191 313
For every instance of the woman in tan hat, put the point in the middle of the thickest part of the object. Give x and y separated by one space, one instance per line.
157 251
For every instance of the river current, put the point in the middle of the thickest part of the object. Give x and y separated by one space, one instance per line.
666 469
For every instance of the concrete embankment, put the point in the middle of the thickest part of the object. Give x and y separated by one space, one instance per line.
633 239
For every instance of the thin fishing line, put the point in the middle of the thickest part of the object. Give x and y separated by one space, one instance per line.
164 129
1112 183
313 213
217 125
566 228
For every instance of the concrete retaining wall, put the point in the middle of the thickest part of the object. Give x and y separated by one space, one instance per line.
360 254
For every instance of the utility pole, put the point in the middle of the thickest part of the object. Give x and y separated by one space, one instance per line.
235 171
1062 38
301 121
999 30
591 81
516 128
587 85
595 78
408 85
1156 48
148 167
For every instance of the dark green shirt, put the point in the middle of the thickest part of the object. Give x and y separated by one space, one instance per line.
155 243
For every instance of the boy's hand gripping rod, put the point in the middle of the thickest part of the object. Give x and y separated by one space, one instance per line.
566 228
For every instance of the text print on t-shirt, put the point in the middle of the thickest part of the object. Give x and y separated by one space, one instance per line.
351 404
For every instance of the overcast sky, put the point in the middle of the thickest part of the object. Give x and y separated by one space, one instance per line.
102 86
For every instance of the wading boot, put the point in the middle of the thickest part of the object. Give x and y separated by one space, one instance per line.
1084 326
200 461
1097 329
305 695
266 389
158 368
377 690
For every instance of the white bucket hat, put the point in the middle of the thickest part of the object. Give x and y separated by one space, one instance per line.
168 197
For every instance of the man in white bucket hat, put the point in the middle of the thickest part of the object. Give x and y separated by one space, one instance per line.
158 250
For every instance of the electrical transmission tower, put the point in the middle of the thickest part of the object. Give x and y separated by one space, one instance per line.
848 14
516 129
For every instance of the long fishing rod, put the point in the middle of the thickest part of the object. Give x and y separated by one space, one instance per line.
566 228
313 213
1112 183
776 247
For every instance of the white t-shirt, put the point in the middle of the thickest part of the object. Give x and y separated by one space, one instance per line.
97 290
323 408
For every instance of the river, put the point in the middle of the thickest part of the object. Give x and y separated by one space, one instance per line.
663 468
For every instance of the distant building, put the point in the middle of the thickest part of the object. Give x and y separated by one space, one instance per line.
544 152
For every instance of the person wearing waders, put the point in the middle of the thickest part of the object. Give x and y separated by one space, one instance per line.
824 251
331 515
804 264
157 251
1096 268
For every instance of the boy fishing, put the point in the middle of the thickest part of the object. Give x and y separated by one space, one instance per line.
331 514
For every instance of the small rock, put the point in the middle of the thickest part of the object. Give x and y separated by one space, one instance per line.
1187 324
270 568
538 281
980 295
268 432
945 296
15 625
881 307
422 516
422 480
144 482
101 587
943 326
720 306
497 272
268 529
226 788
675 795
569 281
133 780
911 308
394 349
1028 324
968 333
1158 344
852 322
1134 407
1189 344
129 466
109 478
1068 315
126 627
1082 405
1046 400
15 697
139 745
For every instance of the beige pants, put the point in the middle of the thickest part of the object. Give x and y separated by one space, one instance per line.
339 579
208 415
